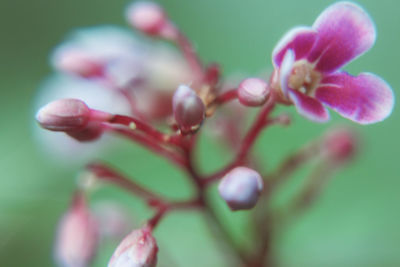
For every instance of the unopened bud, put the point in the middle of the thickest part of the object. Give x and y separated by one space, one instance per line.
77 237
138 249
340 144
147 17
64 115
188 108
240 188
77 62
253 92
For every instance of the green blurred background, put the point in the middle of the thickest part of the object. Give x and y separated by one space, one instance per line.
356 221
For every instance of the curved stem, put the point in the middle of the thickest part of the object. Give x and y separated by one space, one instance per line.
108 174
149 143
259 124
134 124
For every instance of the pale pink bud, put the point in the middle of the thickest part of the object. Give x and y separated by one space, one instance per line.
77 236
340 144
147 17
253 92
240 188
64 115
138 249
188 108
79 63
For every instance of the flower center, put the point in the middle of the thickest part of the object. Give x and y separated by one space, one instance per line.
303 77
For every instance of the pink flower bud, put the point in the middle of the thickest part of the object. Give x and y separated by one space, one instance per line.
188 108
64 115
78 62
147 17
240 188
253 92
138 249
77 237
340 144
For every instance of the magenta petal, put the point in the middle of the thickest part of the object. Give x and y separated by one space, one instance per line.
345 31
365 98
309 107
299 39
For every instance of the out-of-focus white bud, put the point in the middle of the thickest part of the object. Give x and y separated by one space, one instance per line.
253 92
64 115
188 108
339 144
77 237
125 73
88 51
77 62
138 249
240 188
147 17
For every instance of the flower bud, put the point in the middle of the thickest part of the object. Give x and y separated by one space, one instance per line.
240 188
78 62
64 115
138 249
253 92
339 144
188 108
77 237
147 17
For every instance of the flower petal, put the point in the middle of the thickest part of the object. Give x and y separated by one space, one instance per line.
300 39
309 107
286 70
365 98
345 31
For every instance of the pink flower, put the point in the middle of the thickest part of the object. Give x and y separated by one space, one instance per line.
307 65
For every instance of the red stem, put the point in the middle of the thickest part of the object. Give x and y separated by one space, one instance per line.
144 127
226 96
107 174
190 55
149 143
259 124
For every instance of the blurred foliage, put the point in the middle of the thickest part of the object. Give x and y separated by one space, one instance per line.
355 223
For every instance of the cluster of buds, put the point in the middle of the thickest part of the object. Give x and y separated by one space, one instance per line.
164 89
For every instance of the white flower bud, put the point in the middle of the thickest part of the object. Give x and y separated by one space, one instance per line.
253 92
138 249
240 188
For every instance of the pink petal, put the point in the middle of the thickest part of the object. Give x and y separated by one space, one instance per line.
309 107
365 98
286 70
299 39
345 31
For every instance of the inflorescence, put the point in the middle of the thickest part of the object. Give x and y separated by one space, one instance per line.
157 86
